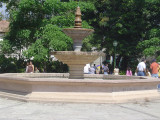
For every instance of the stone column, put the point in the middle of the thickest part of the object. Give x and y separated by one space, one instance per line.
77 45
76 71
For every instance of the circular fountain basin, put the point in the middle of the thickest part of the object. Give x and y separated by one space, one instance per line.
77 34
76 61
56 87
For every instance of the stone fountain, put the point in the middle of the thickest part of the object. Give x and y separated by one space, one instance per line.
76 60
95 88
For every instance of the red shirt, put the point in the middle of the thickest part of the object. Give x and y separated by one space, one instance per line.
154 67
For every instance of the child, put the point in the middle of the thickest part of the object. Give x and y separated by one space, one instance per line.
129 71
116 71
148 73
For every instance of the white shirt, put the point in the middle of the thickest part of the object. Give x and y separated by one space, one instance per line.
92 70
116 71
141 66
86 68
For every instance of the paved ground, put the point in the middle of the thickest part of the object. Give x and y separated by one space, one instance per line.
16 110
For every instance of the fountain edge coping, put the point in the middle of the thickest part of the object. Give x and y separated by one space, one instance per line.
9 76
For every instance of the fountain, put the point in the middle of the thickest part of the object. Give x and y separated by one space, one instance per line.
89 88
76 60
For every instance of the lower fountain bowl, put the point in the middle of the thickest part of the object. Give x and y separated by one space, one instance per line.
76 57
76 61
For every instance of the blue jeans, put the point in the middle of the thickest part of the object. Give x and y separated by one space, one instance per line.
140 73
105 73
155 75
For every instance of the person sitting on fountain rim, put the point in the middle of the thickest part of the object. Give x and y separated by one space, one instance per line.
101 71
141 68
129 71
92 70
116 71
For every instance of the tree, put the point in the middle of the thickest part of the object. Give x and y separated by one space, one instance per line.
150 44
151 47
36 25
126 21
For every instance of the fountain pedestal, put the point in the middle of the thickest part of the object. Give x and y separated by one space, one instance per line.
76 61
76 71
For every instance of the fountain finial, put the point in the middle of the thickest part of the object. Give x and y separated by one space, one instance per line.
78 20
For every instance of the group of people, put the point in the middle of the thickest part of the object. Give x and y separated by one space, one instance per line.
30 68
143 71
99 70
140 71
102 70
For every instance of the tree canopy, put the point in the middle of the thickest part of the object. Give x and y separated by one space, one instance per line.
126 21
36 25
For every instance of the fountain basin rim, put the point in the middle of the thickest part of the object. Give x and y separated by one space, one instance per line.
76 53
77 29
28 77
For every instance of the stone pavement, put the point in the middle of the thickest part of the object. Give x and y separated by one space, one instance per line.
16 110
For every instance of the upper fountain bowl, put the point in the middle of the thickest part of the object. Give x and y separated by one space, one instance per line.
77 34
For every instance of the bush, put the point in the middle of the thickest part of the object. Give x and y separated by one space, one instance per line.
12 65
122 73
7 65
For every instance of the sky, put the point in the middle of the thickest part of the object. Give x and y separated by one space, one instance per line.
2 10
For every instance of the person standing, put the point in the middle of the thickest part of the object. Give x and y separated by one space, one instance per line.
154 67
27 67
30 68
95 68
141 68
106 69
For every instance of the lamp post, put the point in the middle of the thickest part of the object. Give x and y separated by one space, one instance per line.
115 43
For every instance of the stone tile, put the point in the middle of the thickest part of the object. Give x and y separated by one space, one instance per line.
15 110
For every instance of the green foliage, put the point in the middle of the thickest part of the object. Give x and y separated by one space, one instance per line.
151 47
57 67
128 22
7 65
118 21
1 16
6 47
122 73
87 46
36 25
50 38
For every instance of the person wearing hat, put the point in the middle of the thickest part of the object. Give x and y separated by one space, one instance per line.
154 67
